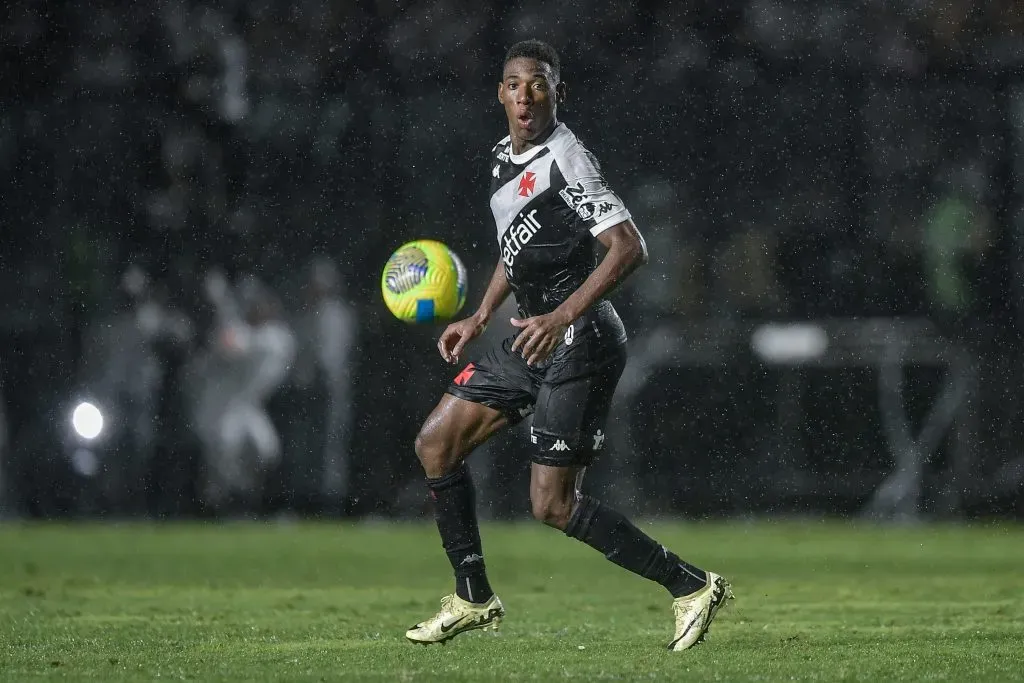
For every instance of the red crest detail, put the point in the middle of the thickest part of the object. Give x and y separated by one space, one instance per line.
526 184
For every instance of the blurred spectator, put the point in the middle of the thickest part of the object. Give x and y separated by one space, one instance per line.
247 360
122 373
673 281
955 235
319 395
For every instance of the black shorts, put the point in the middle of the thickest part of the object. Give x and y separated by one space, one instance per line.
569 394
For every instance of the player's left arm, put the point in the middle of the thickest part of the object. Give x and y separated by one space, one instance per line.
626 251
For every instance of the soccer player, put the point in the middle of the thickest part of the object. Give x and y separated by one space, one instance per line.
561 363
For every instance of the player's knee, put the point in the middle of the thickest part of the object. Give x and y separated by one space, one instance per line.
551 508
435 453
427 448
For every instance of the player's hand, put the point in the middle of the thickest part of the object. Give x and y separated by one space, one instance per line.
539 336
456 336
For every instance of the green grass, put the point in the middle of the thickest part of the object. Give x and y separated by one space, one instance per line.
249 602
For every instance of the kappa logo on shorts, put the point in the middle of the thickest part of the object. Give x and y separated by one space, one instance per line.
467 372
560 445
598 440
569 332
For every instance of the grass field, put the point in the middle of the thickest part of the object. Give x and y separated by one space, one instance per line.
251 602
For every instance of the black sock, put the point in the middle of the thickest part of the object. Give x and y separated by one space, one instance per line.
609 532
455 513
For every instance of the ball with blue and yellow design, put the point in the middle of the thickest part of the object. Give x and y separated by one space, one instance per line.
424 282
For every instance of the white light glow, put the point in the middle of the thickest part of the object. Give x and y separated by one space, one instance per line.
789 343
87 420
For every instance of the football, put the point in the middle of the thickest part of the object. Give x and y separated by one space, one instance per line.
424 282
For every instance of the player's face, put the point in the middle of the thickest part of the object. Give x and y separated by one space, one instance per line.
530 96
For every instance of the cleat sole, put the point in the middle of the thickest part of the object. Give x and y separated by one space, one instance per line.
491 624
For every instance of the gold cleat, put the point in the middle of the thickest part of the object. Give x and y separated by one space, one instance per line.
694 612
457 616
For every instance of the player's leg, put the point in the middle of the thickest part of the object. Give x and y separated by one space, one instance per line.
568 431
557 500
481 401
452 430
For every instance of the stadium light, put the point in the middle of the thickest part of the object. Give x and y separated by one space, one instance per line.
87 420
789 343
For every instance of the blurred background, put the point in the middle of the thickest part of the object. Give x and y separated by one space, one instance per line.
197 199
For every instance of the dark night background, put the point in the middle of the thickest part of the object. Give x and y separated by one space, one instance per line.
841 163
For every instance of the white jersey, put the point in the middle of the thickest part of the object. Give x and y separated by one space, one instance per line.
549 203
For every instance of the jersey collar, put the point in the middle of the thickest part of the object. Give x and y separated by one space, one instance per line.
525 157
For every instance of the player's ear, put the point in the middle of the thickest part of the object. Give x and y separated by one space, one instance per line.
561 92
501 93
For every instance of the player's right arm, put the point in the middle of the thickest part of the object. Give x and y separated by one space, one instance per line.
458 334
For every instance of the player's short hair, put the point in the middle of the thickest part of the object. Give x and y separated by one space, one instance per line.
539 50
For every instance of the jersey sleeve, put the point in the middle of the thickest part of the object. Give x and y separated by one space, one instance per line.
587 193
